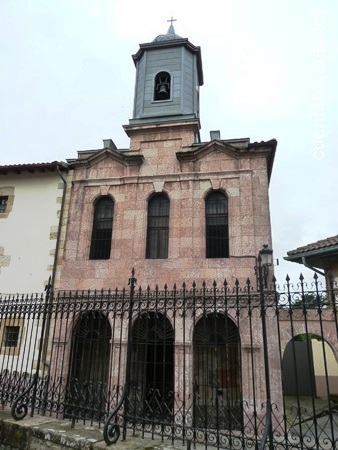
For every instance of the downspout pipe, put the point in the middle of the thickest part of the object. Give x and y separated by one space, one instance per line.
60 223
47 329
310 267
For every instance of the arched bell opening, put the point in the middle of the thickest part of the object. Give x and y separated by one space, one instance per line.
87 387
217 373
162 86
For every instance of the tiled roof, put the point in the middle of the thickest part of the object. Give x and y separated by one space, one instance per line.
33 167
322 244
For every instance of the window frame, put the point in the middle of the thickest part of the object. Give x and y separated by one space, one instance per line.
3 203
102 228
12 350
163 73
157 241
11 336
8 193
216 225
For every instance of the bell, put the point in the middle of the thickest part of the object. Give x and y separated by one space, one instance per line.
163 89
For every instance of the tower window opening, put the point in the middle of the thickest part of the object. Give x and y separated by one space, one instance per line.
162 86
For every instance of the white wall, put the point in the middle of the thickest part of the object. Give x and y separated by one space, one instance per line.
25 234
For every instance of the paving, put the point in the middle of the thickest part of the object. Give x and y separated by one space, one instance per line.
59 434
54 434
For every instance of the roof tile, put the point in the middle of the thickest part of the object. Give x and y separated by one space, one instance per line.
323 243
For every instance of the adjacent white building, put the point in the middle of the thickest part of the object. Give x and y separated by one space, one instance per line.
31 199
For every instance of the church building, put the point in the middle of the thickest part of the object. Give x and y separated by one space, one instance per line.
192 348
174 213
178 211
172 207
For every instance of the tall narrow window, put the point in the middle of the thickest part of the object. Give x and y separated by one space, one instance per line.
162 86
102 229
158 227
216 218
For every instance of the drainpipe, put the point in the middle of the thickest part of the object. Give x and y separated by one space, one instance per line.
60 223
310 267
51 287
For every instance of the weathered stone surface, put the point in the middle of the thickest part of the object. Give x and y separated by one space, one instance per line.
40 433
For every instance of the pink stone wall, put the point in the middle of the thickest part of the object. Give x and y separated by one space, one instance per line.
241 175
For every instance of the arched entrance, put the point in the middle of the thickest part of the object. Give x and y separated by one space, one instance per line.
86 394
217 373
152 367
309 367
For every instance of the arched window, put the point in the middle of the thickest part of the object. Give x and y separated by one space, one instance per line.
158 227
216 219
102 229
162 86
89 367
217 372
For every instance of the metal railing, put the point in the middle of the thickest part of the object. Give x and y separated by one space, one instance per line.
227 367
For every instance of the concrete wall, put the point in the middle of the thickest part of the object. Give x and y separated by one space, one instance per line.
325 369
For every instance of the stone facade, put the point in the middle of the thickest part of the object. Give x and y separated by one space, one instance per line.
167 160
166 156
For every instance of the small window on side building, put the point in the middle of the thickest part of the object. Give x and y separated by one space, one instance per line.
3 203
11 336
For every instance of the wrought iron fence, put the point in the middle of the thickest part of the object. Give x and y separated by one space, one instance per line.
227 367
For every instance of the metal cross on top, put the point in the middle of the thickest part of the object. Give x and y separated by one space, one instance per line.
172 20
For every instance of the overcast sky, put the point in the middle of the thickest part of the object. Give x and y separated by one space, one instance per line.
270 71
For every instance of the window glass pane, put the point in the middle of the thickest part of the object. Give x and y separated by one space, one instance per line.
216 218
102 229
12 336
3 203
158 227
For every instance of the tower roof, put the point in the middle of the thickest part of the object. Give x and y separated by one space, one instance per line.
169 36
171 39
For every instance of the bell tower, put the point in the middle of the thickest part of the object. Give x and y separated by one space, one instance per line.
168 77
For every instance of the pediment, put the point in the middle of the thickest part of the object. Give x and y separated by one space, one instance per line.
210 149
111 157
103 157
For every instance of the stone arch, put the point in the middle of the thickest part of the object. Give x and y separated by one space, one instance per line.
152 364
87 384
217 372
309 367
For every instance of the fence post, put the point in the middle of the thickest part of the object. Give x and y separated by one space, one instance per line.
131 283
268 423
111 432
